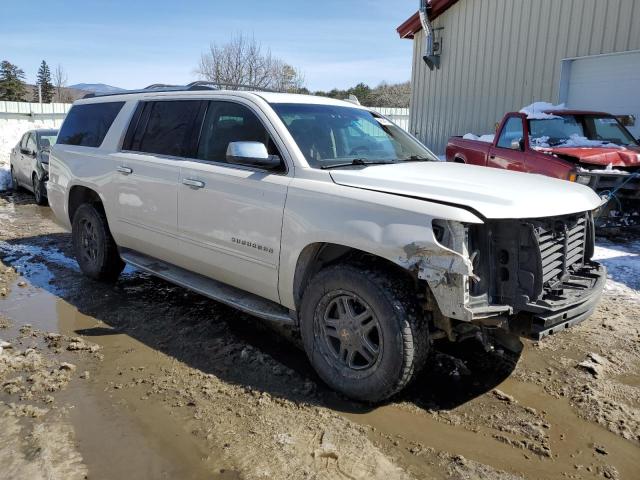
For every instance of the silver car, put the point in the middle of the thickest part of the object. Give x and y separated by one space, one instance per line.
30 162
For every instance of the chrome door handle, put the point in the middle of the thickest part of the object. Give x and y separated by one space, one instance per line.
190 182
124 170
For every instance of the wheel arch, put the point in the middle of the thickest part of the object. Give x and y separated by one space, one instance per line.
316 256
79 195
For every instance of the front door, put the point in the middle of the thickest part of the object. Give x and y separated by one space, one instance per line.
509 150
27 156
230 217
147 176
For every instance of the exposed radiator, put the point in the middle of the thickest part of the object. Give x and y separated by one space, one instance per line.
562 246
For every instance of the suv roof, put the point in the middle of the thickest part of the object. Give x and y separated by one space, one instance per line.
269 97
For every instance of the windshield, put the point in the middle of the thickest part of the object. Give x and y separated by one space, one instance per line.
330 136
579 131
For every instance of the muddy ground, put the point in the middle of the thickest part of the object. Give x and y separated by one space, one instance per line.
146 380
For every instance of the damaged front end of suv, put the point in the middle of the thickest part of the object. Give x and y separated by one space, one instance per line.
512 278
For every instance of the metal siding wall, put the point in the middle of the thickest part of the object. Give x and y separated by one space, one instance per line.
499 55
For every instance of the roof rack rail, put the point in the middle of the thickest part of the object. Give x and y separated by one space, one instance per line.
155 86
197 85
222 86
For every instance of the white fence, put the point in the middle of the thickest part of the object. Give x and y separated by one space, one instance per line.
399 116
52 114
42 114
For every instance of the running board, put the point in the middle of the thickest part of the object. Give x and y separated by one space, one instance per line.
218 291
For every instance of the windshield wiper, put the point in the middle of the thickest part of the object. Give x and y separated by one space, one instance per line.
417 158
357 161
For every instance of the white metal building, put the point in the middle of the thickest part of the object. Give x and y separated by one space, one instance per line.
497 56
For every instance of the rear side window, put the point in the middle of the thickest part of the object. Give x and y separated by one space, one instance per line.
87 125
164 127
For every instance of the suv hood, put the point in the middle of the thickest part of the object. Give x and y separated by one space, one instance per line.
491 192
616 157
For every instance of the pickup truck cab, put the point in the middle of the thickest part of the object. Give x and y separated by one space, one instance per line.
590 148
326 216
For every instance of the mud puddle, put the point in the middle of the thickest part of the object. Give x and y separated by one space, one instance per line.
119 434
575 445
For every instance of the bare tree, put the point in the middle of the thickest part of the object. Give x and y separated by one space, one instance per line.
60 82
243 61
391 95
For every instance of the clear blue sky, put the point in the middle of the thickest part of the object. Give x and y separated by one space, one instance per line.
336 43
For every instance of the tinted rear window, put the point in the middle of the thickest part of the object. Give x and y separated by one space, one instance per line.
87 125
164 127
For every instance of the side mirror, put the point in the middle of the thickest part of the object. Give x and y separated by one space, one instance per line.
517 144
252 154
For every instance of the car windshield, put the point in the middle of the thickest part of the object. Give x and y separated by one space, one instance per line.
330 136
47 139
579 131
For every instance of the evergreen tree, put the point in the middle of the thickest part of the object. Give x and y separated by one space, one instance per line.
44 82
12 86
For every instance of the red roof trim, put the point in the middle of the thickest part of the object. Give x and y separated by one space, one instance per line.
412 25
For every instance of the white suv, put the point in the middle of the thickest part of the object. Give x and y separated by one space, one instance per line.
327 216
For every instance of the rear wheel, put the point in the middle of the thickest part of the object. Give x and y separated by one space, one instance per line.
93 245
38 190
363 331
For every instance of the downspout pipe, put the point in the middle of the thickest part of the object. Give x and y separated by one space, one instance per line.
432 61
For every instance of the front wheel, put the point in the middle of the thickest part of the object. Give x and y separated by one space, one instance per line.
93 245
363 331
38 190
14 180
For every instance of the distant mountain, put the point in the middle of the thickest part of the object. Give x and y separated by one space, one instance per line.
97 88
66 94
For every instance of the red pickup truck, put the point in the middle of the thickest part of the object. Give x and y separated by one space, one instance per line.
591 148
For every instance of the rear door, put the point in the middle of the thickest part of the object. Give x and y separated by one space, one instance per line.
509 150
230 216
146 186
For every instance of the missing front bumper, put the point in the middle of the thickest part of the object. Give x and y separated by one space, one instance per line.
554 316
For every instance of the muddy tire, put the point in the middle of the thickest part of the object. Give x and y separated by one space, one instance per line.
93 245
38 190
363 331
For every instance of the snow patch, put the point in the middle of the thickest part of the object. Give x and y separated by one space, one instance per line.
5 176
608 169
482 138
574 141
32 262
25 259
623 266
536 111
